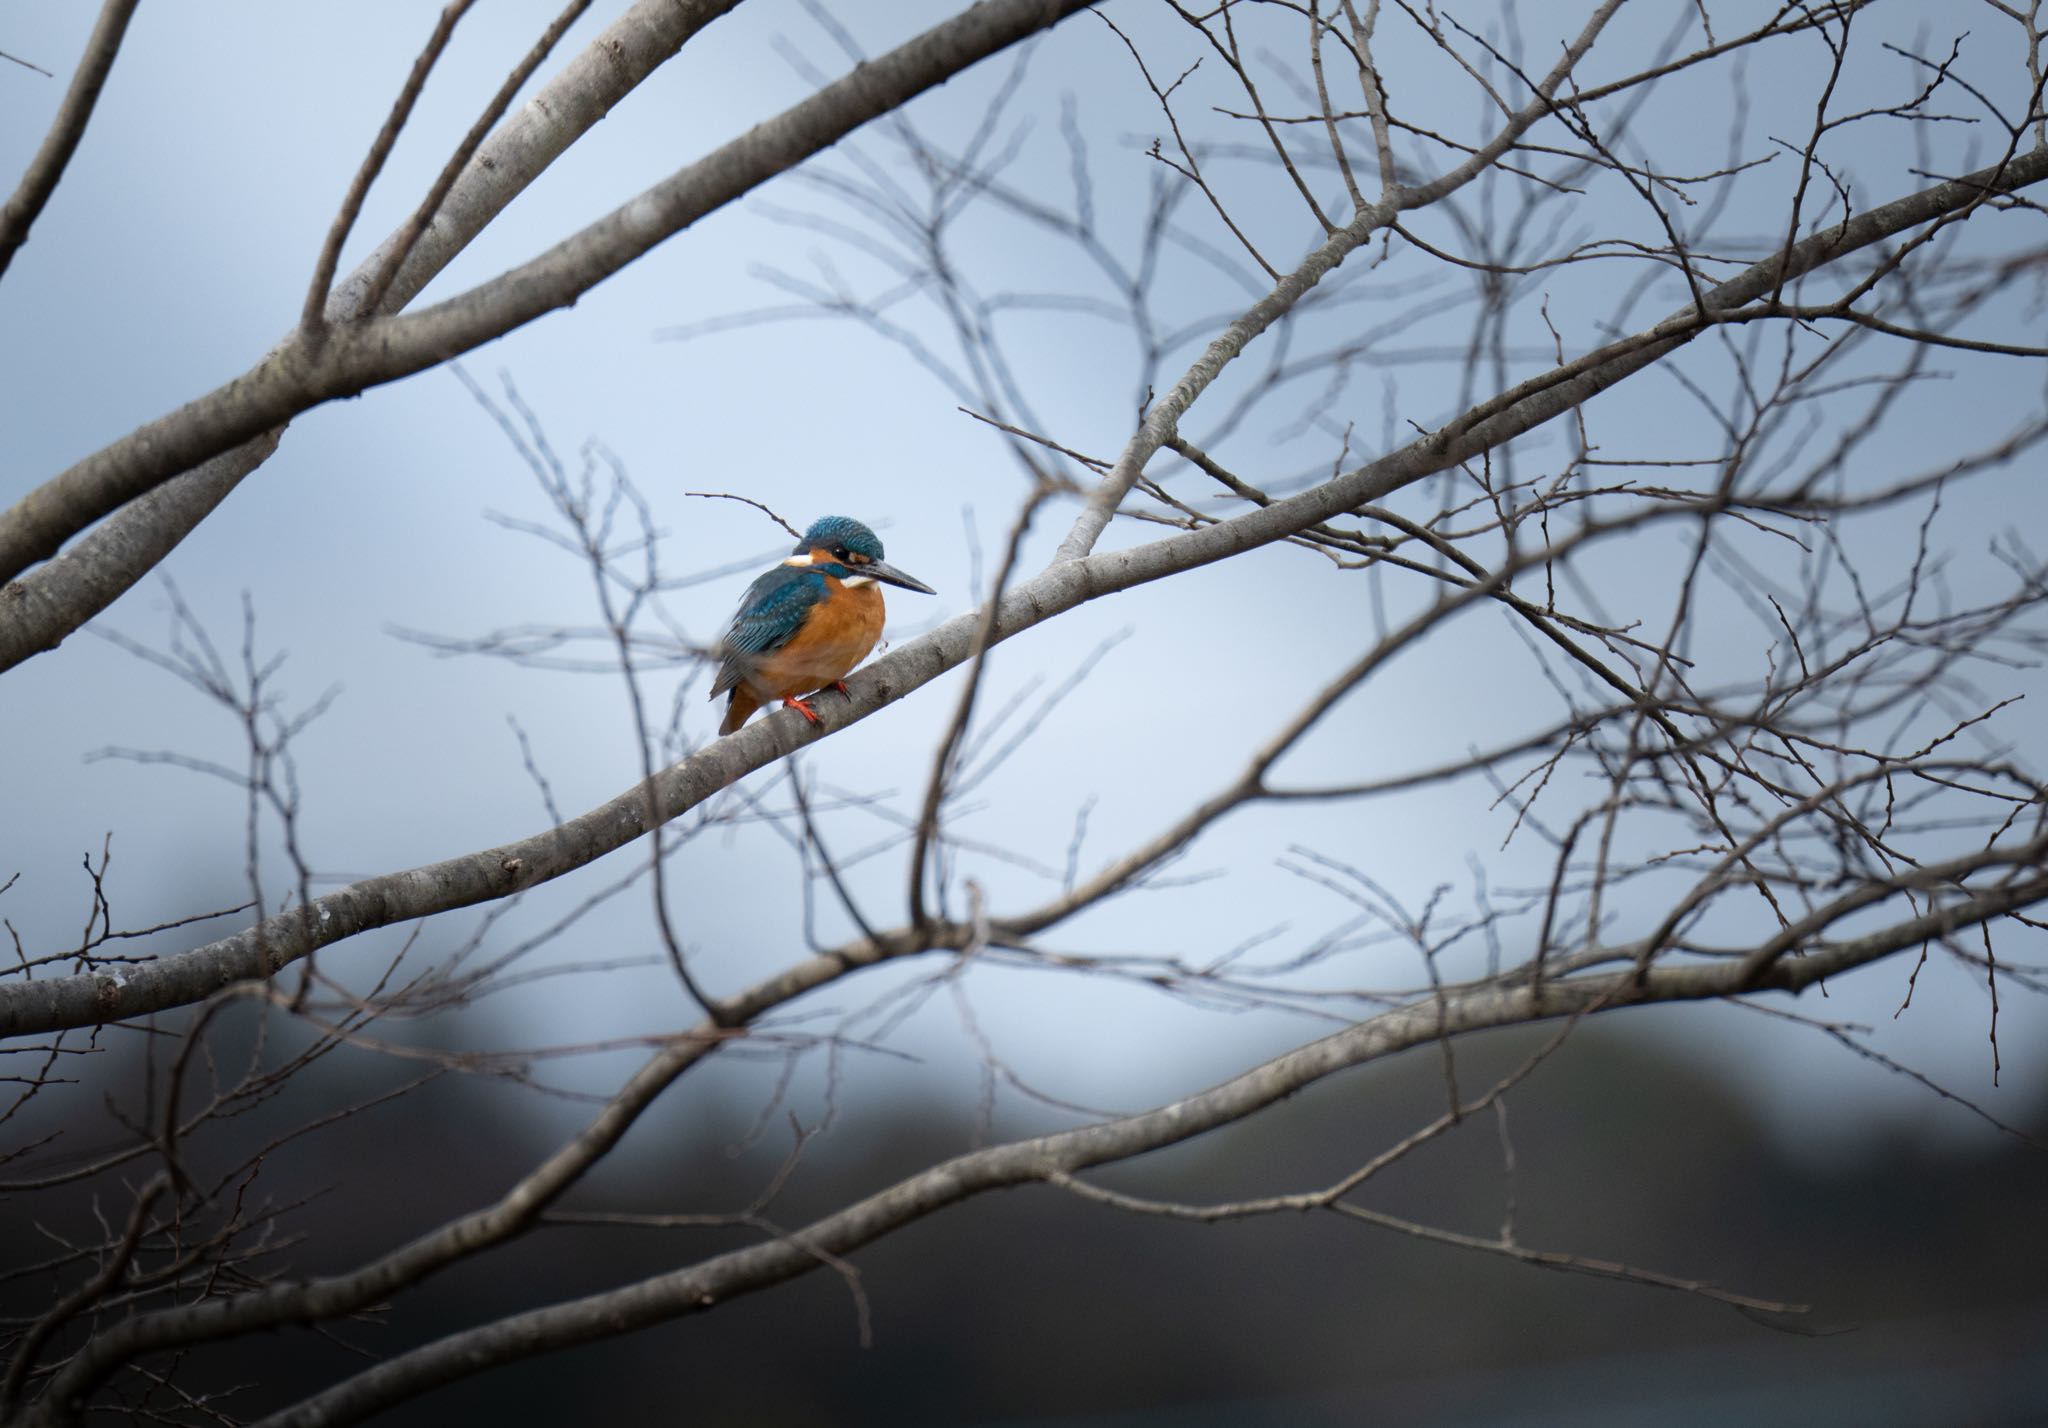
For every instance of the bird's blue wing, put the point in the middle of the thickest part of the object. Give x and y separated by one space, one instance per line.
771 612
774 609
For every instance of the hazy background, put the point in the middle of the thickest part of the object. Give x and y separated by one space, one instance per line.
1761 1156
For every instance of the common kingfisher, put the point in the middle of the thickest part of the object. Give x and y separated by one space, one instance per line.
803 625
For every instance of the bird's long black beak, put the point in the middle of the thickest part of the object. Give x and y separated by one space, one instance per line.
889 574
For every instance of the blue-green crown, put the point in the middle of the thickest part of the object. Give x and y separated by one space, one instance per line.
841 530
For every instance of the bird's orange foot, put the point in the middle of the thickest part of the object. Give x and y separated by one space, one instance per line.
801 708
840 685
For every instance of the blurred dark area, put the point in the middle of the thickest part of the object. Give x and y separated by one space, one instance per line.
1923 1263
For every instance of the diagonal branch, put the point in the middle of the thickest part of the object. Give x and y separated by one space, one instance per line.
314 311
188 977
1162 420
399 248
1056 1158
301 375
39 610
47 167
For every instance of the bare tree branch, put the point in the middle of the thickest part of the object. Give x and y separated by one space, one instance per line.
296 377
40 608
19 213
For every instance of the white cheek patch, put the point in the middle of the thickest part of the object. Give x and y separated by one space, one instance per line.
803 559
854 582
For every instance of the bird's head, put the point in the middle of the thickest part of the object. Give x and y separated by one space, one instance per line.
842 547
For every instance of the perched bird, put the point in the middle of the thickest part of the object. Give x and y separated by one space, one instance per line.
803 625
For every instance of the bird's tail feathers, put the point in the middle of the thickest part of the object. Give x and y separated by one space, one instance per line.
739 709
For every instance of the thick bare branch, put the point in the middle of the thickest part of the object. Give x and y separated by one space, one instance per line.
1771 731
300 375
463 881
42 607
1051 1158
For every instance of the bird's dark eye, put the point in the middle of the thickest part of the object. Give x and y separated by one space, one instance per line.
840 551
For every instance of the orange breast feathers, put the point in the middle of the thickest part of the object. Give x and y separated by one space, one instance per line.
842 628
